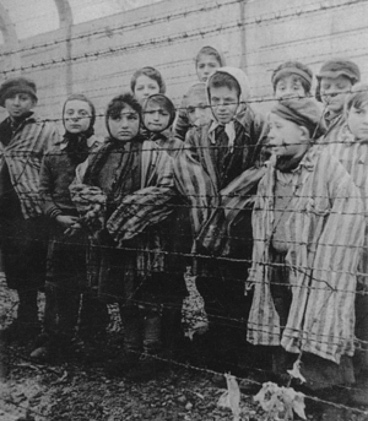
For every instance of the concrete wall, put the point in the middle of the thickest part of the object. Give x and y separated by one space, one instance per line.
256 35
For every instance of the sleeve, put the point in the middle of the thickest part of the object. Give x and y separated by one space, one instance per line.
52 137
193 182
259 130
181 124
145 207
46 187
339 250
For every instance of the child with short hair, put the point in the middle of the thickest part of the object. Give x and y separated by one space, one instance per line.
207 60
334 82
292 79
304 268
24 138
146 81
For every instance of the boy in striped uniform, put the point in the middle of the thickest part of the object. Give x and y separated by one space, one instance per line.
24 138
308 227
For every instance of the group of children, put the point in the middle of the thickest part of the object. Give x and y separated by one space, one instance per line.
267 216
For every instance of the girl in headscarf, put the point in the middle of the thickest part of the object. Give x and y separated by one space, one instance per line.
66 262
126 193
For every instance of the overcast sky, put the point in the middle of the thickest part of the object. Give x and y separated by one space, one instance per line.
32 17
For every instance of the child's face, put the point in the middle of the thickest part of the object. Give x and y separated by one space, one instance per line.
285 137
334 92
289 87
19 104
197 109
77 116
206 65
156 118
358 121
144 87
124 126
224 103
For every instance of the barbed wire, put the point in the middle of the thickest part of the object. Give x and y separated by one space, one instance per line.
184 12
164 40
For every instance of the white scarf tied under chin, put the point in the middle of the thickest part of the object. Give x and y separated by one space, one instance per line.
229 130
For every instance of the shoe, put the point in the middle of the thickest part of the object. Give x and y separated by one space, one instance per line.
40 354
121 365
146 369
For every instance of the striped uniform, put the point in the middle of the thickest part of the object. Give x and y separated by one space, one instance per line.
149 205
325 233
353 155
23 156
195 174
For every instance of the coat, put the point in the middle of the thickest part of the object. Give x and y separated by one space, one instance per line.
326 233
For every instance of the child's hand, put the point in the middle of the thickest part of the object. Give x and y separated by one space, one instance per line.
70 223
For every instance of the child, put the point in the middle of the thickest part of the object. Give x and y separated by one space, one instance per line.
66 278
195 105
335 80
303 269
215 156
24 138
352 152
292 79
129 182
158 115
207 60
145 82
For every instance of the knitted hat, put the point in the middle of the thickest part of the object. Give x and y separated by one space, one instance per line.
303 112
292 68
340 67
17 85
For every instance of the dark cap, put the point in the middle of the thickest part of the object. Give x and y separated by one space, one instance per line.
303 112
340 67
17 85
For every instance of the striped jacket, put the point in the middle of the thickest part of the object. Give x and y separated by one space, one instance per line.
353 155
325 233
23 156
152 203
195 175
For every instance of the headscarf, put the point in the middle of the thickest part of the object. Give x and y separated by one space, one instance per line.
244 86
77 146
163 101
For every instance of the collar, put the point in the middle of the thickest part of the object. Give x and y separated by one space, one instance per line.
242 117
31 118
331 118
92 142
308 160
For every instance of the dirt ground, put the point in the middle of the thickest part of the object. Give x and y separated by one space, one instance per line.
80 391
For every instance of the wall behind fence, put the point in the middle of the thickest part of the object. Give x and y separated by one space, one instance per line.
99 57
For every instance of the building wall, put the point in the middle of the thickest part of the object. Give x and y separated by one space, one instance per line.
256 35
